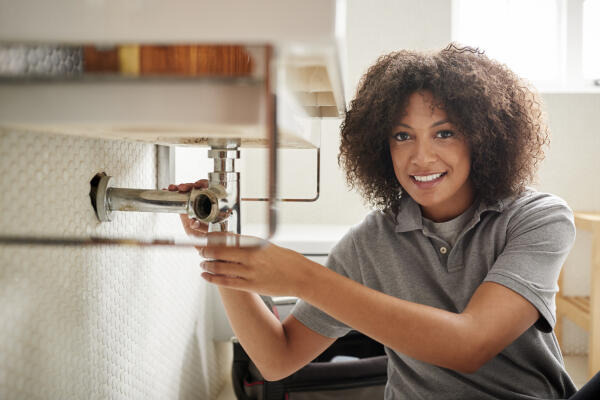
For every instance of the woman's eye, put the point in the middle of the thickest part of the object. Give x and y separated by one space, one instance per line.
401 136
444 134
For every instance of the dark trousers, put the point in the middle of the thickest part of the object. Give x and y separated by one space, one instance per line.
589 391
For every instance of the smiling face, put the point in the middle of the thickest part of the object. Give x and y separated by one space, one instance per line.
431 159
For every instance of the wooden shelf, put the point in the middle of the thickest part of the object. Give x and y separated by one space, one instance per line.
175 95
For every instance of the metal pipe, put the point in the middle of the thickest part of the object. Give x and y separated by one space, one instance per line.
121 199
214 204
218 205
224 152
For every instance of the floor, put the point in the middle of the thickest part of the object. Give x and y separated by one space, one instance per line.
576 367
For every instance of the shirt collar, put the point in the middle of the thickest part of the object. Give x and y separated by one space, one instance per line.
409 217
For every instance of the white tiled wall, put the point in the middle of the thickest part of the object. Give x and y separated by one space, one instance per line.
101 322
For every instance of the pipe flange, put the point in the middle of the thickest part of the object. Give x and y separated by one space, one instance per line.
207 204
103 211
203 205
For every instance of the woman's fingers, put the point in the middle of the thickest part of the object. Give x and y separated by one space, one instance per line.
185 187
199 226
192 226
224 268
186 222
201 184
231 254
225 281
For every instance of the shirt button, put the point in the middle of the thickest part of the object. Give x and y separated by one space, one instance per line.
443 250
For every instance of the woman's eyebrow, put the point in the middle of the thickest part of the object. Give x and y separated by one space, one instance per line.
441 122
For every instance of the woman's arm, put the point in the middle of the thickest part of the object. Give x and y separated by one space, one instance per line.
276 349
494 317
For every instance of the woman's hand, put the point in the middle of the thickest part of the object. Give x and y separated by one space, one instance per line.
192 226
269 270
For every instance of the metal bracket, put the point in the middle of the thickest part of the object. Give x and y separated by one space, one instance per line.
308 200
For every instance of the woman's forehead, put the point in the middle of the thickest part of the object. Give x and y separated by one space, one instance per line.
421 107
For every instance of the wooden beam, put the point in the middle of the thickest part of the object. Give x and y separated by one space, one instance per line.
569 309
594 341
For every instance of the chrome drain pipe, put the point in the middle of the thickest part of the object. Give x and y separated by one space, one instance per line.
218 205
223 187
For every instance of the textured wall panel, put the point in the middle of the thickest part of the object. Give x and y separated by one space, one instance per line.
102 322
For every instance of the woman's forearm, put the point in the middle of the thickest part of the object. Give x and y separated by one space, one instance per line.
422 332
426 333
462 342
258 330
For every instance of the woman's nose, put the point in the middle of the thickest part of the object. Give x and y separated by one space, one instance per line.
424 153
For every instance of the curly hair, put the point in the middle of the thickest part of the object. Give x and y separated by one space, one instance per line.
498 113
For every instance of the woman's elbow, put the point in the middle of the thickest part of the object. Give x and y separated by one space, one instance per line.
466 364
274 372
473 359
470 355
273 375
468 367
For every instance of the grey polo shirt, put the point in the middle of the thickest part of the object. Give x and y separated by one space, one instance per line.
519 242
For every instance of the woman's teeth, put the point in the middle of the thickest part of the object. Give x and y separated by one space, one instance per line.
427 178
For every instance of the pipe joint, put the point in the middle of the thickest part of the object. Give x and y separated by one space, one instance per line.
210 205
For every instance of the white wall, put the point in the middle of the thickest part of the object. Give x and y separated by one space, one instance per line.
380 26
373 28
572 159
101 322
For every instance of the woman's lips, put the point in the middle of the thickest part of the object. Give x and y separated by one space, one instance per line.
427 184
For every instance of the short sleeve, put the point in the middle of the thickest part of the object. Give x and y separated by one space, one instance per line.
342 259
539 238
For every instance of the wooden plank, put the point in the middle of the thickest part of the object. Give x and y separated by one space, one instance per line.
594 337
576 303
582 302
195 60
566 308
586 220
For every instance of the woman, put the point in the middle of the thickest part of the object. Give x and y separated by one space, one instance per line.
456 271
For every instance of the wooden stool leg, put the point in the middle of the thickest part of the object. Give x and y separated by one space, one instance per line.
594 342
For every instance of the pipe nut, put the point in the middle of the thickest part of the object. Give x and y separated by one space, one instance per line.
224 153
